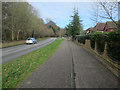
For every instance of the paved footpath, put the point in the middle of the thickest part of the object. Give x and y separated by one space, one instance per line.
71 67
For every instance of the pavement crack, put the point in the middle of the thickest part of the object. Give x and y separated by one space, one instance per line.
73 74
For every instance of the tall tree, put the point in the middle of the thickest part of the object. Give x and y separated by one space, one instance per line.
68 30
76 25
20 21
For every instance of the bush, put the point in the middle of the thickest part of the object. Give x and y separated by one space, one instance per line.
81 39
100 42
111 38
113 45
92 40
87 37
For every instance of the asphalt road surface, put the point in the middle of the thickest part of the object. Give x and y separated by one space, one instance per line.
71 67
11 53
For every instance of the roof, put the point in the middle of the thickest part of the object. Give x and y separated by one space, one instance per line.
111 24
91 29
99 26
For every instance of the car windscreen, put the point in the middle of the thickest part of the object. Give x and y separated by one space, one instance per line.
29 39
33 38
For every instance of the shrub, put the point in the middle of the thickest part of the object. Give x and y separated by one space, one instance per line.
87 36
100 42
81 39
113 45
92 40
111 38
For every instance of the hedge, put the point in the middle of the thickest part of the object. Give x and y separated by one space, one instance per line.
113 45
92 40
99 38
112 39
81 39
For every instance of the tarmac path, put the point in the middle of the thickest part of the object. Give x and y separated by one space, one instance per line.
71 67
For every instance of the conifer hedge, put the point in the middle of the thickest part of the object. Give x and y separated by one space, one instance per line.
81 38
113 45
112 39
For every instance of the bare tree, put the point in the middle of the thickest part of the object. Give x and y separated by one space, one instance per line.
109 10
94 13
105 11
119 16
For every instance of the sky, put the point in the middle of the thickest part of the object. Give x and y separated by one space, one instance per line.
61 12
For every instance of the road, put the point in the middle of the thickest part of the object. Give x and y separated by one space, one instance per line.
11 53
71 67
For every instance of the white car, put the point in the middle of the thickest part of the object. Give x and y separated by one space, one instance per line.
31 41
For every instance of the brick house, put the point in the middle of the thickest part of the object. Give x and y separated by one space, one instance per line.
99 27
110 26
89 30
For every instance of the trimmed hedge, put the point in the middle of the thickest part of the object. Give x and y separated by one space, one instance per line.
112 39
113 45
99 38
92 40
81 39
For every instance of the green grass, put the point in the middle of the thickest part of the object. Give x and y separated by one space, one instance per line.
15 71
15 43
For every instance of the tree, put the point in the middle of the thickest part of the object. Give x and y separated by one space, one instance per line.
109 10
20 21
76 25
54 27
0 22
68 30
106 11
94 13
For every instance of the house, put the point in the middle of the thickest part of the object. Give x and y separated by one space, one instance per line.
89 30
110 26
99 27
103 27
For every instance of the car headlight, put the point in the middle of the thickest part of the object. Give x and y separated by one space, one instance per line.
31 41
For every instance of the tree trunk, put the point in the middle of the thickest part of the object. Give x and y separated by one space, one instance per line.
12 35
18 35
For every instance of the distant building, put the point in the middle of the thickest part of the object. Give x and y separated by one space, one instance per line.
110 26
89 30
99 27
103 27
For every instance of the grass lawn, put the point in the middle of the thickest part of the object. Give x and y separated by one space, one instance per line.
15 71
14 43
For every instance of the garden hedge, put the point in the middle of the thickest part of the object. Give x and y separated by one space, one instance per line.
100 42
92 40
112 39
81 39
113 45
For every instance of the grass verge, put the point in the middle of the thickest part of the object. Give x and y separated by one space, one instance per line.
15 43
15 71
